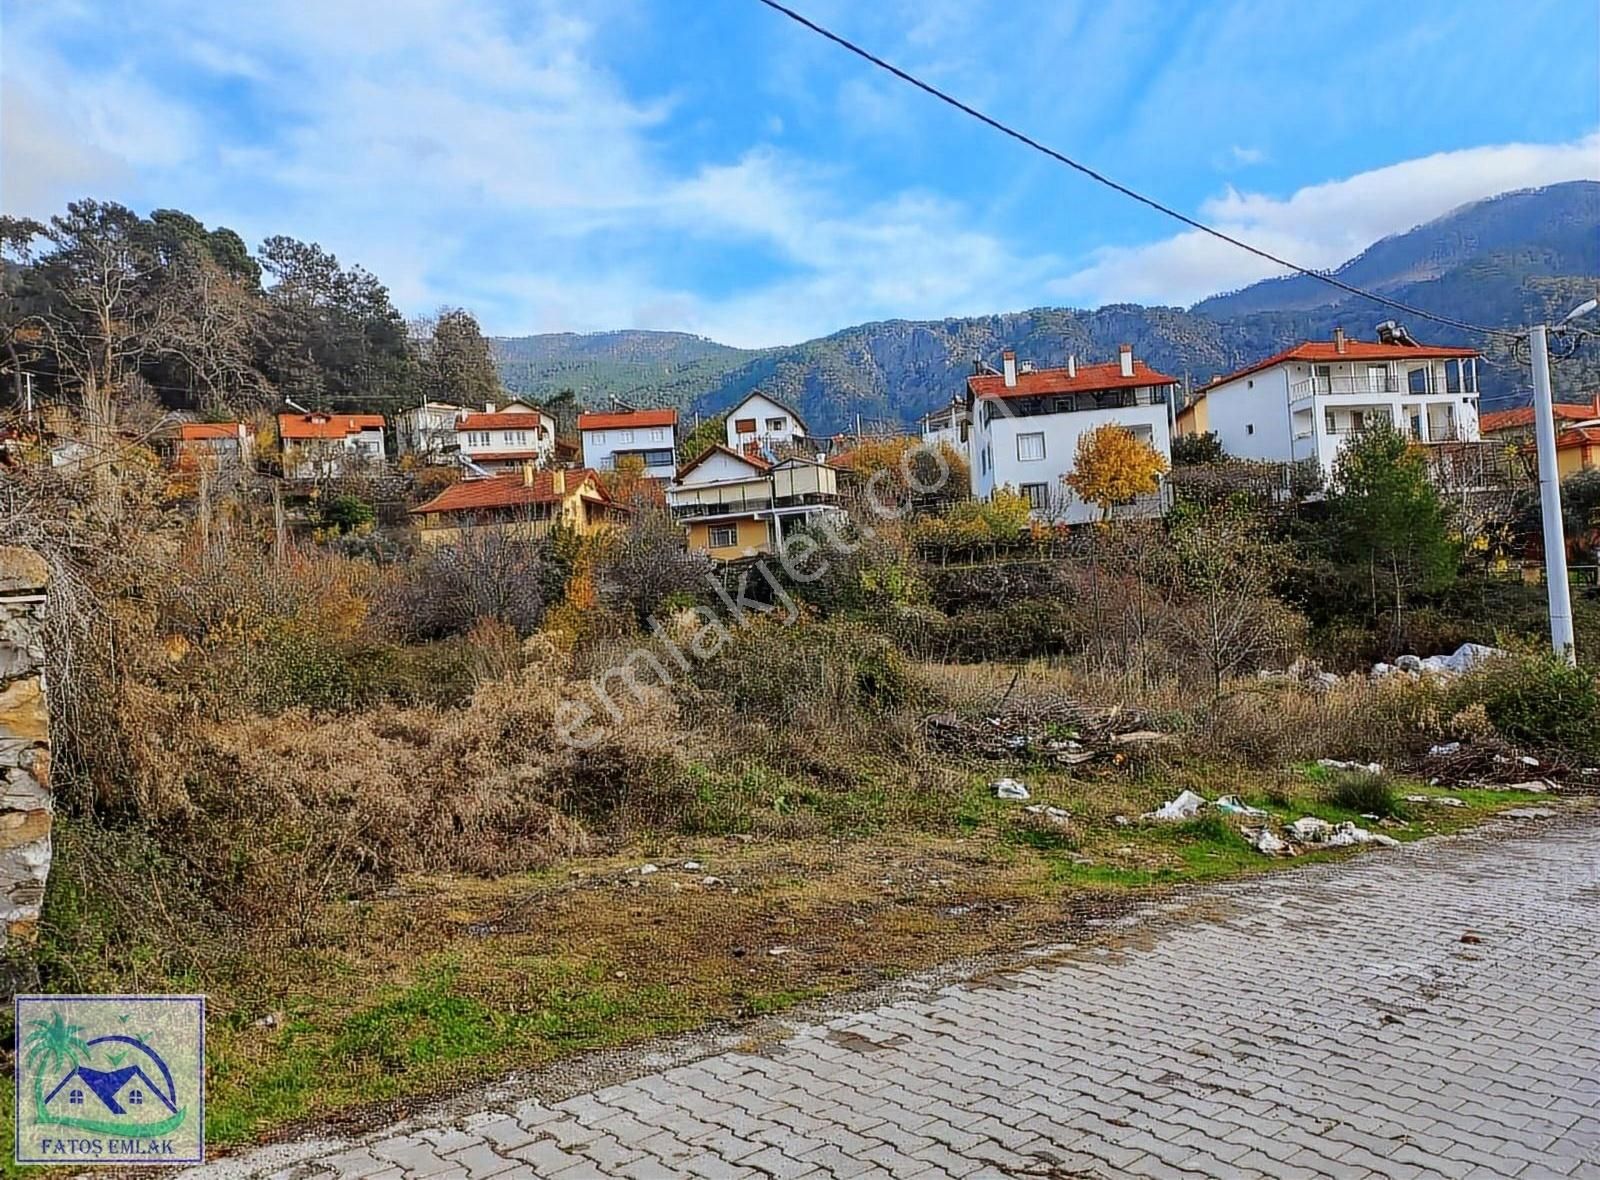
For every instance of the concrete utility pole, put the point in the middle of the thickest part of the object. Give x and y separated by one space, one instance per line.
1557 586
1555 537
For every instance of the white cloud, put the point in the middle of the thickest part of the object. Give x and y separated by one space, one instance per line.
1322 225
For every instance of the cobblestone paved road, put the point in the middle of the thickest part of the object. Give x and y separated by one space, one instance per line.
1431 1011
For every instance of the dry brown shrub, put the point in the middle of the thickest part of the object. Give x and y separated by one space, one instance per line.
1272 723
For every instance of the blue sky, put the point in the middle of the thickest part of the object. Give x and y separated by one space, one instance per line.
705 165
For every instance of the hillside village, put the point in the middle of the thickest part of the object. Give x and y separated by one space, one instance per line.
795 590
438 733
1015 429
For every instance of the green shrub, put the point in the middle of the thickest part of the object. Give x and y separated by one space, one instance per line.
1364 794
1539 701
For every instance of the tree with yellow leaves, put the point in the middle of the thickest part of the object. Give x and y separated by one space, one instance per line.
1113 466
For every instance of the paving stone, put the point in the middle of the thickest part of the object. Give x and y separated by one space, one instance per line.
1323 1024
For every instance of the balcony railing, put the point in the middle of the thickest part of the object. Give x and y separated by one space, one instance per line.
1070 403
762 504
1373 383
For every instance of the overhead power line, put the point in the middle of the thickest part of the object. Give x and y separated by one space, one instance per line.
1133 194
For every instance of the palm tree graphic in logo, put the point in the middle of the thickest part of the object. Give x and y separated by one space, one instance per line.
115 1084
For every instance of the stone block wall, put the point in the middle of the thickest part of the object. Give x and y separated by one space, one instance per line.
25 805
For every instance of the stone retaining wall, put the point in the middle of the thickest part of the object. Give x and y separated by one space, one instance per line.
25 806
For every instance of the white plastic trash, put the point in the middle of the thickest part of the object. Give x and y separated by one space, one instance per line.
1185 806
1009 788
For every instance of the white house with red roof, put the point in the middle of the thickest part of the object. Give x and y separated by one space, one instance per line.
651 435
1304 402
496 440
764 424
1024 425
736 504
220 443
323 444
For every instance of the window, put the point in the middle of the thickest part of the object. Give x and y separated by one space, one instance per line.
516 438
1420 380
724 536
1038 494
1322 378
776 425
1329 422
477 438
658 436
1357 419
658 458
1030 447
627 436
744 426
1249 427
75 1097
1452 377
135 1097
1378 378
599 437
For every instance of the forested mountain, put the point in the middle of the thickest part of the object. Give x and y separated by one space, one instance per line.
114 315
1502 261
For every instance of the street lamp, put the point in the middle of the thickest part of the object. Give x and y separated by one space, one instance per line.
1555 537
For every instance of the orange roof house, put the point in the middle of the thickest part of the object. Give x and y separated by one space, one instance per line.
319 443
319 425
1304 403
218 443
528 503
648 437
1520 418
620 419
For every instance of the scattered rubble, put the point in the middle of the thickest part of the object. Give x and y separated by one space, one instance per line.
1264 841
1445 750
646 870
1311 830
1008 788
1336 764
1304 672
1233 805
1528 813
1055 815
1437 800
1056 729
1464 659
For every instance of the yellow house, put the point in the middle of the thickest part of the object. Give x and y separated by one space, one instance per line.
1193 418
526 504
736 505
1577 449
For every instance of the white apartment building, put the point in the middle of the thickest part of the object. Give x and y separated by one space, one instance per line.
944 425
764 423
611 435
1304 402
1024 426
428 431
501 440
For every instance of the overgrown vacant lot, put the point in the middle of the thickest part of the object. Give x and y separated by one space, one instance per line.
766 888
326 783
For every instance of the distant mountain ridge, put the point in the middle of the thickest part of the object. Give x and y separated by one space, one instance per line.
1503 261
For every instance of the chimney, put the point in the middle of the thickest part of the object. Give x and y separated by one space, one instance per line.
1008 360
1072 364
1126 351
1338 341
558 482
488 407
530 472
